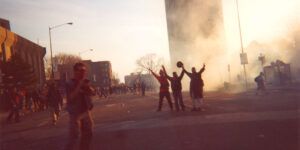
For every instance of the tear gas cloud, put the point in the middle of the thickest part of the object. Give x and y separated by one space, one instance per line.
197 35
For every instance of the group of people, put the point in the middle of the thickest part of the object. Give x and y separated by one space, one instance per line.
79 94
196 87
22 102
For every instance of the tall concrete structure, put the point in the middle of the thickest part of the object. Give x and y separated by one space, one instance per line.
194 27
196 32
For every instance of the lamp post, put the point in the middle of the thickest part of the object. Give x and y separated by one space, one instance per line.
243 55
50 28
84 51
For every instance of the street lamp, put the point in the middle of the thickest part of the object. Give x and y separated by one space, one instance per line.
243 55
50 28
84 51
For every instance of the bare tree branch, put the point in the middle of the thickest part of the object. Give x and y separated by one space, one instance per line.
60 59
149 61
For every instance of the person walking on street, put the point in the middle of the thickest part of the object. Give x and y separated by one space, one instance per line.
102 92
260 81
143 88
16 105
176 88
196 87
55 102
163 90
79 106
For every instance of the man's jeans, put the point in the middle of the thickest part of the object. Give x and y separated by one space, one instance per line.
80 124
161 97
178 100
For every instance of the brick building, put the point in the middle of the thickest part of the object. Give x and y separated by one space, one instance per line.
32 53
99 73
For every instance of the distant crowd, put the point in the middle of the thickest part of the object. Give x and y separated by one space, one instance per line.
21 101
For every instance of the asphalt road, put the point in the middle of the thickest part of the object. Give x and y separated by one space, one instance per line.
230 121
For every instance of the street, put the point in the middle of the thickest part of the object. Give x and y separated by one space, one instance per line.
242 121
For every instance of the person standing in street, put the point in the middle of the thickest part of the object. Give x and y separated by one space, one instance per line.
143 88
102 92
196 87
16 105
260 82
176 88
163 90
55 102
79 106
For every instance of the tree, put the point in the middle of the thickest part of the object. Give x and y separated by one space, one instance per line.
63 58
17 73
60 59
149 61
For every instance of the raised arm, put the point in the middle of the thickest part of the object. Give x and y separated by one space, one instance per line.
187 73
181 74
202 69
154 74
164 69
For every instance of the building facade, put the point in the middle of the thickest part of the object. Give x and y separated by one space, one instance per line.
32 53
99 73
278 73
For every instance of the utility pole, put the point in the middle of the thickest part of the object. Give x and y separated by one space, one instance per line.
243 56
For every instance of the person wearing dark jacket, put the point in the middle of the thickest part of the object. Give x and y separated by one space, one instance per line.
55 102
164 89
260 81
196 87
143 88
15 102
176 88
79 106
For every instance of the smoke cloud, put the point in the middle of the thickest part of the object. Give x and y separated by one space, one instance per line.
197 35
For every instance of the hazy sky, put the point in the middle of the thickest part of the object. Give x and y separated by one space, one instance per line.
123 30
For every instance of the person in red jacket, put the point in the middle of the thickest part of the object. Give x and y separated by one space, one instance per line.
164 88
